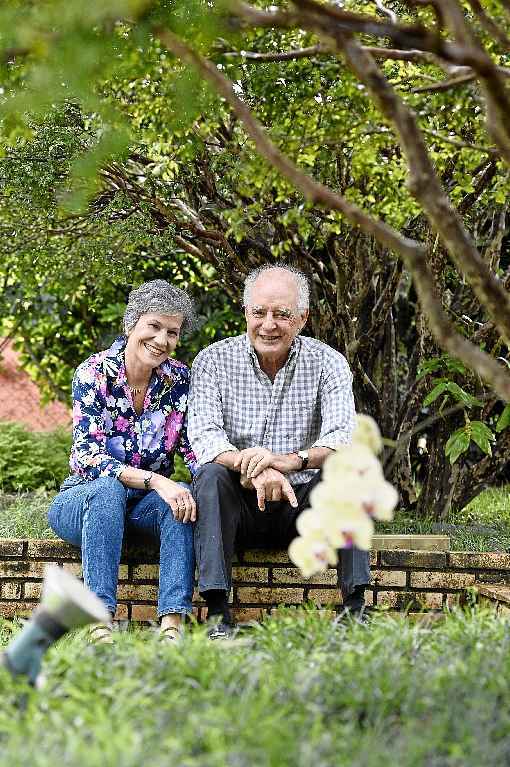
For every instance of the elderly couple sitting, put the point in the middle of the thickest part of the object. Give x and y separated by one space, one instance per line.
261 413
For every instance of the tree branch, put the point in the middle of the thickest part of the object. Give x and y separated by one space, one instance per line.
312 190
489 24
412 252
300 53
490 150
426 187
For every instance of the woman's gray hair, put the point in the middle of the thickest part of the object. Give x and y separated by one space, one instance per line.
159 297
303 287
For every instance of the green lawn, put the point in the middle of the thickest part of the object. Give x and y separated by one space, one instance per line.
300 691
484 525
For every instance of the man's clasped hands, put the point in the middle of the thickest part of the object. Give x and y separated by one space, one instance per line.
262 470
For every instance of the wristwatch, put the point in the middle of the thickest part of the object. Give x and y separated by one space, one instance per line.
147 480
303 454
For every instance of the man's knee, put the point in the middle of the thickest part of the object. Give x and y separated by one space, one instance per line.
211 475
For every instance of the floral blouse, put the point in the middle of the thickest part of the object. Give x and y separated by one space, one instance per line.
108 434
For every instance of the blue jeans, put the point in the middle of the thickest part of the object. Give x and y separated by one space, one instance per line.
94 515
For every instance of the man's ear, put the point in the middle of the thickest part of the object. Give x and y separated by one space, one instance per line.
303 319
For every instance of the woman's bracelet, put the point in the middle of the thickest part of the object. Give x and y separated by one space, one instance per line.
147 481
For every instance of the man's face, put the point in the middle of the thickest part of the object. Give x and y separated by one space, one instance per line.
272 317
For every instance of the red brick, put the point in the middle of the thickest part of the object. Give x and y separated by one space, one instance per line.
11 547
324 596
410 559
293 575
143 613
33 590
48 549
432 600
10 610
10 590
250 575
400 600
145 572
266 555
144 592
389 577
122 613
22 569
245 614
123 574
483 561
447 581
254 595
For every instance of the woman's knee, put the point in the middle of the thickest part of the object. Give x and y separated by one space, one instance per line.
106 496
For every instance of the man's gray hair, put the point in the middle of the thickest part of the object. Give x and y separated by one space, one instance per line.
159 297
303 287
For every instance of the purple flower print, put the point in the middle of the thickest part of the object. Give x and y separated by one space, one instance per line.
115 446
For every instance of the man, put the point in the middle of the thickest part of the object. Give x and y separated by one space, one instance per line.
266 409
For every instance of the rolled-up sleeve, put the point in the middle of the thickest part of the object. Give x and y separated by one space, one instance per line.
336 404
89 455
206 430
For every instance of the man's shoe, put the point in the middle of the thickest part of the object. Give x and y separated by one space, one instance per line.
221 630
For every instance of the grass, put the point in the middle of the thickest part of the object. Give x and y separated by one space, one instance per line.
24 515
301 692
484 525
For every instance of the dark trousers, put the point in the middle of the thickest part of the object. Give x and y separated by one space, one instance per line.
229 520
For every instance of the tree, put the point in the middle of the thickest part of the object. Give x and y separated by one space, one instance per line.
358 101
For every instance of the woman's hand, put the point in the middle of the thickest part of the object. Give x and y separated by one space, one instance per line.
178 498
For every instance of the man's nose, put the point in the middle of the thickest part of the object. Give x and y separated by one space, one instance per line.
269 321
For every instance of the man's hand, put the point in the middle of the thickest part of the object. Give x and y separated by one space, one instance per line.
271 485
253 460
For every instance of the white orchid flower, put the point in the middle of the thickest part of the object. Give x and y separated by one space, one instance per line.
312 554
366 432
351 460
371 494
351 528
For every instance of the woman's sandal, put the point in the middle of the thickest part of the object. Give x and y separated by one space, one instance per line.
170 634
101 633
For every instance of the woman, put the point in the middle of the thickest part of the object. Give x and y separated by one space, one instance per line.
129 405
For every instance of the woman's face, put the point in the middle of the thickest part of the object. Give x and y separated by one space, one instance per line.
154 338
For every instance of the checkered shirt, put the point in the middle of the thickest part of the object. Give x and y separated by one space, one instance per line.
234 405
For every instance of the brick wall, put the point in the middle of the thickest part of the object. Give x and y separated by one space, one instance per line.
262 579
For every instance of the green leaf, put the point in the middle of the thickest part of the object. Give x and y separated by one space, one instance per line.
504 419
482 436
435 393
458 443
461 395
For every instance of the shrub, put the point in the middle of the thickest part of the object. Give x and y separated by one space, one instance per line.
32 460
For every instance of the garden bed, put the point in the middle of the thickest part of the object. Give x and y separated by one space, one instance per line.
296 691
